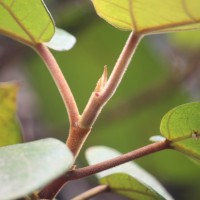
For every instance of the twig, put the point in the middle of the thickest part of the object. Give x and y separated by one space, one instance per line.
104 91
99 99
138 153
92 192
51 191
61 83
76 139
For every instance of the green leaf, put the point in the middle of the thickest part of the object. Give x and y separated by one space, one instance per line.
61 41
150 16
26 21
128 179
181 126
10 132
27 167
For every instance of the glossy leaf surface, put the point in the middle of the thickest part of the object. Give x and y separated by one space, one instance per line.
26 21
150 16
10 132
181 126
26 167
128 179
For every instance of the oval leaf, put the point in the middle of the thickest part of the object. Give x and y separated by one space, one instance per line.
150 16
128 179
181 126
10 132
61 41
26 21
26 167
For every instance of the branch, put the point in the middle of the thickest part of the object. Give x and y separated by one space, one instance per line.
92 192
60 81
51 191
100 98
138 153
103 92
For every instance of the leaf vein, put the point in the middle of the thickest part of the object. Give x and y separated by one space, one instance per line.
45 29
13 35
132 16
117 19
18 21
187 11
12 3
169 26
116 5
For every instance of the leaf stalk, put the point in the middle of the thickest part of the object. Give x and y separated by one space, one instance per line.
60 82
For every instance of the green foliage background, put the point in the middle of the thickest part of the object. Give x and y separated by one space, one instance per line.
99 44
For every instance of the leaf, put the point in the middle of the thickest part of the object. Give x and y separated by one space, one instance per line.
150 16
10 132
181 126
61 41
26 167
27 21
127 179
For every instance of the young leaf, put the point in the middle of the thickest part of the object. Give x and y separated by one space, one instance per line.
61 41
150 16
10 132
181 126
27 167
26 21
127 179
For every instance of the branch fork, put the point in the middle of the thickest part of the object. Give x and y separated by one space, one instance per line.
80 125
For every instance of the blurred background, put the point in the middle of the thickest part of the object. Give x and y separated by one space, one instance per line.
164 73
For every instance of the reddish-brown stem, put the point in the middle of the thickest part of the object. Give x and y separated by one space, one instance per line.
60 81
92 192
138 153
121 66
79 131
103 92
51 191
99 99
76 139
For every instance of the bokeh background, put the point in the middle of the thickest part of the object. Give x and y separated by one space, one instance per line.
164 73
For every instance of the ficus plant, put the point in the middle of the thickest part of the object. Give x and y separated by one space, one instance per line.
39 169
